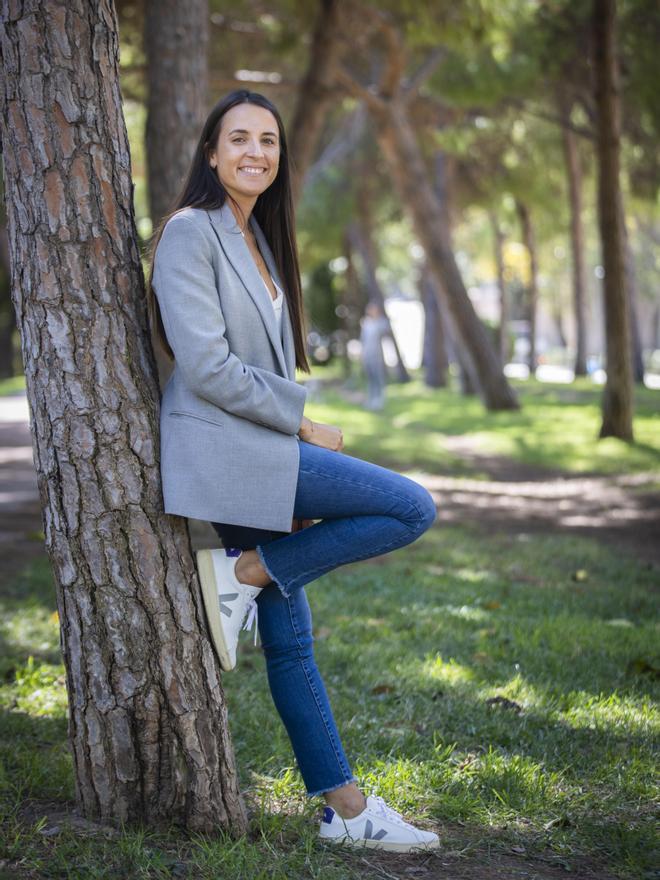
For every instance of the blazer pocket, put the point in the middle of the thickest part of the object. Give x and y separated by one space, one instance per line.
180 414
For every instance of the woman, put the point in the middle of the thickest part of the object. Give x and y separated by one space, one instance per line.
237 450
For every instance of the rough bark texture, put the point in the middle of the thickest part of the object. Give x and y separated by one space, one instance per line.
176 45
316 91
409 173
618 393
574 175
7 314
532 287
147 717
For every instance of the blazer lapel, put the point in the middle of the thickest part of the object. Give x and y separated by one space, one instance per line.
235 247
286 341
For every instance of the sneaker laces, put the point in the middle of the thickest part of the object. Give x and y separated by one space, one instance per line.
388 812
252 619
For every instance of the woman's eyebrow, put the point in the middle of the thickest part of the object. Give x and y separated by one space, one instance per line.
244 131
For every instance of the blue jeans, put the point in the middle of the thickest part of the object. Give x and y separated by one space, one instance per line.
365 510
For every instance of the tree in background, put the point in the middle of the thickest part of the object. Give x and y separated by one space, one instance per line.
389 103
147 715
618 393
176 47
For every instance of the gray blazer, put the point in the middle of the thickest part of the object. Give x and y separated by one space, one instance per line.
231 408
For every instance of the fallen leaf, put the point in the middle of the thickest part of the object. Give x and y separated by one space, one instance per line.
640 666
504 703
382 689
480 657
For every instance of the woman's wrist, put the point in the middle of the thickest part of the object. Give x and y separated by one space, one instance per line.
306 428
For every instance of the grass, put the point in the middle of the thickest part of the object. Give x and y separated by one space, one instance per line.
499 688
14 385
492 691
556 427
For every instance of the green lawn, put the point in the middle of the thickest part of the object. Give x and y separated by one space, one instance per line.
501 689
556 427
412 650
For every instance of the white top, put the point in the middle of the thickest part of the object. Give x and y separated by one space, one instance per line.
277 302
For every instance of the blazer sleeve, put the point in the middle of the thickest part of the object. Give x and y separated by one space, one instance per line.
185 286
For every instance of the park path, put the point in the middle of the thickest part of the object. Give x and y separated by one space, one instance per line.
620 510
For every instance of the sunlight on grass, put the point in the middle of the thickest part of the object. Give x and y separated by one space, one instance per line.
556 427
507 682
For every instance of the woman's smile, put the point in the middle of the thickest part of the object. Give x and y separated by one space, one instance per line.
248 148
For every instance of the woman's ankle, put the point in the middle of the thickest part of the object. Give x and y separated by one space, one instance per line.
249 570
347 800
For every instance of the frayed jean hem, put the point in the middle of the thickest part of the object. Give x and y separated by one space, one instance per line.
332 787
282 588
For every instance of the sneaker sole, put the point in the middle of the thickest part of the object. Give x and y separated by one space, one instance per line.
209 585
368 843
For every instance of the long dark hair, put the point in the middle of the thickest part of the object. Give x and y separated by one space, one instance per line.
273 210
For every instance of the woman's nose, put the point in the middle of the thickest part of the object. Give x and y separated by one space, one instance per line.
255 149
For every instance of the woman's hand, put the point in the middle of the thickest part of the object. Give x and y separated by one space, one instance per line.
298 524
327 436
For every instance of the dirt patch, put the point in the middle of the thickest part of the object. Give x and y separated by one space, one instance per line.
618 510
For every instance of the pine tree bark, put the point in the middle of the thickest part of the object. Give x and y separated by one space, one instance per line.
7 313
574 175
617 403
176 46
147 717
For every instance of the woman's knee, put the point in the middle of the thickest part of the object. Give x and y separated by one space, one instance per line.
424 506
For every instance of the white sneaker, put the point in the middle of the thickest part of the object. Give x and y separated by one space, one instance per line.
377 826
227 601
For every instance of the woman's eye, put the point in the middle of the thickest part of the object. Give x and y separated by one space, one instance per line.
268 141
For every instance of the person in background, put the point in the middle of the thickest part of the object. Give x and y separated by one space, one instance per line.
374 325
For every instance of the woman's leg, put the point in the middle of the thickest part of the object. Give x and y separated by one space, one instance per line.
366 510
296 686
285 628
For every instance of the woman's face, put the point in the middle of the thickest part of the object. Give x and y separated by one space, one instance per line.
247 154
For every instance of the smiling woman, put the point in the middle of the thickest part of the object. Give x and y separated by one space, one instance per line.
237 450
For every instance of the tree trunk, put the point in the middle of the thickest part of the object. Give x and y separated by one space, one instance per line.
532 289
7 313
631 287
574 175
617 404
147 716
176 45
354 300
316 92
410 175
362 243
498 248
435 359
